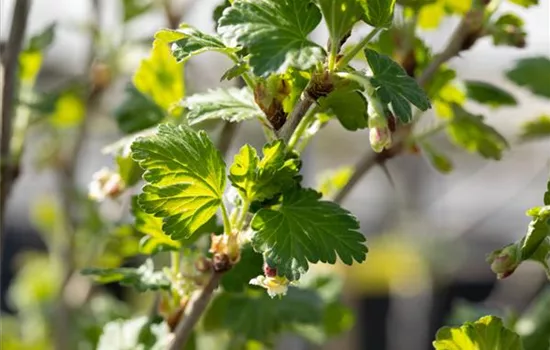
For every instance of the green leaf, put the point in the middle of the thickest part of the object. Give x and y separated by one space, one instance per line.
438 160
378 13
340 16
185 175
536 128
237 70
534 324
257 179
333 181
532 73
508 30
248 267
489 94
143 278
155 240
135 8
43 40
487 333
537 232
542 255
128 334
137 112
128 169
471 133
547 194
337 319
68 111
395 87
187 42
275 32
306 229
525 3
160 77
231 104
254 315
349 106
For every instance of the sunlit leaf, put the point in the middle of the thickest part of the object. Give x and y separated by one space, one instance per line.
135 8
68 111
187 42
340 16
378 13
160 76
536 128
334 181
185 177
487 333
525 3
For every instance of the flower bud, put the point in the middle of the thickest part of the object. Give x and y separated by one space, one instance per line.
105 184
270 271
505 261
380 138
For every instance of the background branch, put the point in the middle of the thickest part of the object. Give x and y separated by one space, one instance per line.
10 63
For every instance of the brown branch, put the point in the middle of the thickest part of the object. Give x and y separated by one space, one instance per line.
185 326
295 117
10 63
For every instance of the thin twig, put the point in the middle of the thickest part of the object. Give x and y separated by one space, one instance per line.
185 326
10 63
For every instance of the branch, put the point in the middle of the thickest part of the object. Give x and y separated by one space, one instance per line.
185 326
10 63
458 42
295 117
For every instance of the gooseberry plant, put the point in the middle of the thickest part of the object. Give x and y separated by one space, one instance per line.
242 233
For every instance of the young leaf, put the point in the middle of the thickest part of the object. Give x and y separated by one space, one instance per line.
306 229
160 77
187 42
137 112
143 278
525 3
536 128
334 181
254 315
395 87
349 106
135 8
128 169
471 133
532 73
43 40
489 94
378 13
185 175
537 232
509 30
155 240
231 104
340 16
487 333
275 32
257 179
437 159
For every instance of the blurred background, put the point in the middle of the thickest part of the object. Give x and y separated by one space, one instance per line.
428 236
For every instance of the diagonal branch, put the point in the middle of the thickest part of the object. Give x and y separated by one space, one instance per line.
187 324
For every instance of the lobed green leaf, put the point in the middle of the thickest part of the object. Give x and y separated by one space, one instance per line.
185 177
275 32
304 229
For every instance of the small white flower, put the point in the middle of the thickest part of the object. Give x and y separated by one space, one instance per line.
106 183
277 285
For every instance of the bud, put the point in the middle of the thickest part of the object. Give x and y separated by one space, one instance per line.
505 261
203 264
105 184
380 138
226 245
269 271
